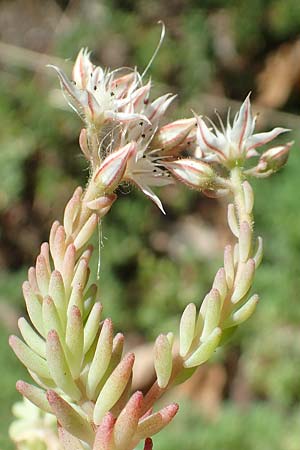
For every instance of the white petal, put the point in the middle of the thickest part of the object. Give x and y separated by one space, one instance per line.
82 68
243 124
259 139
149 193
113 167
77 95
156 109
207 141
125 117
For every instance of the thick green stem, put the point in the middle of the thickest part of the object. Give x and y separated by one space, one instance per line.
236 178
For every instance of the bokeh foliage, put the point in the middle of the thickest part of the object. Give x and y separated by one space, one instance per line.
151 266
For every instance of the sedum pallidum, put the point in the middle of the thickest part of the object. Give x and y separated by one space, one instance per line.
81 377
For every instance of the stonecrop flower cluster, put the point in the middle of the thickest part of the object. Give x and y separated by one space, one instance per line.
76 361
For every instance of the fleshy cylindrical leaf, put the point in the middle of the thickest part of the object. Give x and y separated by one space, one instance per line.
212 313
71 211
58 247
76 298
50 318
259 252
246 311
57 293
58 366
245 239
86 232
29 358
116 356
163 360
232 220
32 339
113 388
156 422
92 326
248 196
229 265
36 395
220 283
81 273
187 329
42 274
104 434
101 358
34 308
68 441
68 267
205 350
127 421
244 281
74 341
69 419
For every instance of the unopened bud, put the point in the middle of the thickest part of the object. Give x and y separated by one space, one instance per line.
273 159
196 174
113 167
173 134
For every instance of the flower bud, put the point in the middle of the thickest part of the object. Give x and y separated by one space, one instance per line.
173 134
113 167
196 174
272 160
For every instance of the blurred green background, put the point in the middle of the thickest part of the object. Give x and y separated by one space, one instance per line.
214 53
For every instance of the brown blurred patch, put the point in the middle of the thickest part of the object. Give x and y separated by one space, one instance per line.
280 75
